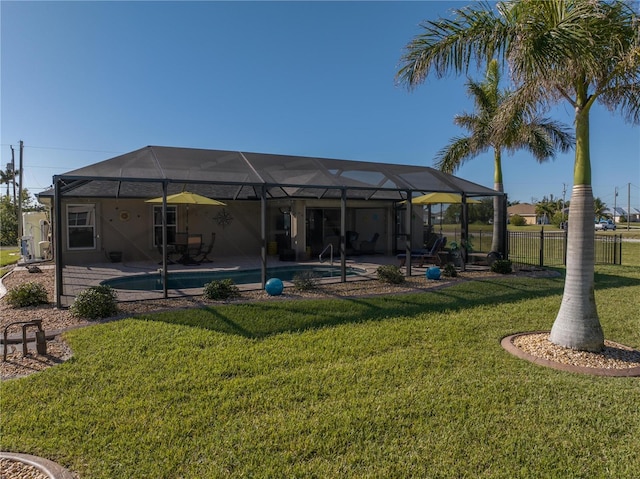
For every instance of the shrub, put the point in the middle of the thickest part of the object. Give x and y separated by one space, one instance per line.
8 223
502 266
449 270
558 218
305 281
390 273
95 302
221 289
517 220
27 294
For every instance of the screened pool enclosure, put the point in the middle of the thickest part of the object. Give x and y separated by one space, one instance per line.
291 206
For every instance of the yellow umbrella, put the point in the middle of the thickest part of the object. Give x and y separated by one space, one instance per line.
442 198
187 198
448 198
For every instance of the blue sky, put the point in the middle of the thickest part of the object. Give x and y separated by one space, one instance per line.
82 82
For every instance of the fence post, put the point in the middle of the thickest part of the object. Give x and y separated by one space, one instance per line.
507 245
541 246
620 257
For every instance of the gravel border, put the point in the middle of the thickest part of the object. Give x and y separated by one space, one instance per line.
615 360
26 466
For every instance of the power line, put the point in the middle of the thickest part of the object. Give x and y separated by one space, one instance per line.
49 167
60 148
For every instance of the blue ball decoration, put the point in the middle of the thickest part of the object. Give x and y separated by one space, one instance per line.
274 287
433 273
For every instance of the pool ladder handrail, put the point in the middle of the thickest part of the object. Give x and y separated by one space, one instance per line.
330 248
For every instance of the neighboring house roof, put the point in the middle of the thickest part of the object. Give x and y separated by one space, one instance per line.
522 209
621 211
239 175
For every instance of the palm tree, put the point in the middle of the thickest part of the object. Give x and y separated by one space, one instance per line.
579 51
599 207
546 208
539 135
6 177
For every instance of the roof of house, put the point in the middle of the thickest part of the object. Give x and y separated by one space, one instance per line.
622 211
522 209
241 175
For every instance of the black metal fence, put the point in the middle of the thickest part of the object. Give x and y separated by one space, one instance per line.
549 248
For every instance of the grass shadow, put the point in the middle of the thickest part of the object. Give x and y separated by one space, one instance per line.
263 319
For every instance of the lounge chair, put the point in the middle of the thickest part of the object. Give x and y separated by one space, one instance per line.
430 255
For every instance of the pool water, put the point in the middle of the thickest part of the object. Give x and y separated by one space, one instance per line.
197 279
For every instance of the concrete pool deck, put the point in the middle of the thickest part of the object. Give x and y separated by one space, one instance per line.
78 278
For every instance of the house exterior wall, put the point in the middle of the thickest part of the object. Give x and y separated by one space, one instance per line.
531 220
81 256
240 236
126 226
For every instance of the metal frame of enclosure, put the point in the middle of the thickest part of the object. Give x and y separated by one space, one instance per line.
155 171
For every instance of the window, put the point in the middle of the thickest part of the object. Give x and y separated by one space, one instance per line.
172 224
81 226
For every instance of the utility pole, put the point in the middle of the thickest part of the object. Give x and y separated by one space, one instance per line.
13 174
628 206
20 197
615 202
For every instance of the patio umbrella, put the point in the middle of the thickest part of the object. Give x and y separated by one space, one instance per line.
442 198
187 198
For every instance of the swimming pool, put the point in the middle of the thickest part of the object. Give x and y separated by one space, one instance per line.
197 279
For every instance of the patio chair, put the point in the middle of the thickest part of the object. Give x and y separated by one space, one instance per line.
369 247
351 239
203 256
194 248
172 250
177 248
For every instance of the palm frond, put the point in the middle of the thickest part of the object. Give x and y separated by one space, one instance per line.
455 154
620 88
559 133
468 121
550 34
485 99
449 45
538 143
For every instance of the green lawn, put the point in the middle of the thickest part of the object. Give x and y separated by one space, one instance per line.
404 386
9 255
630 253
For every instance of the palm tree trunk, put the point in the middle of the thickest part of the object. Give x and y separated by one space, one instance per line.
577 325
497 242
